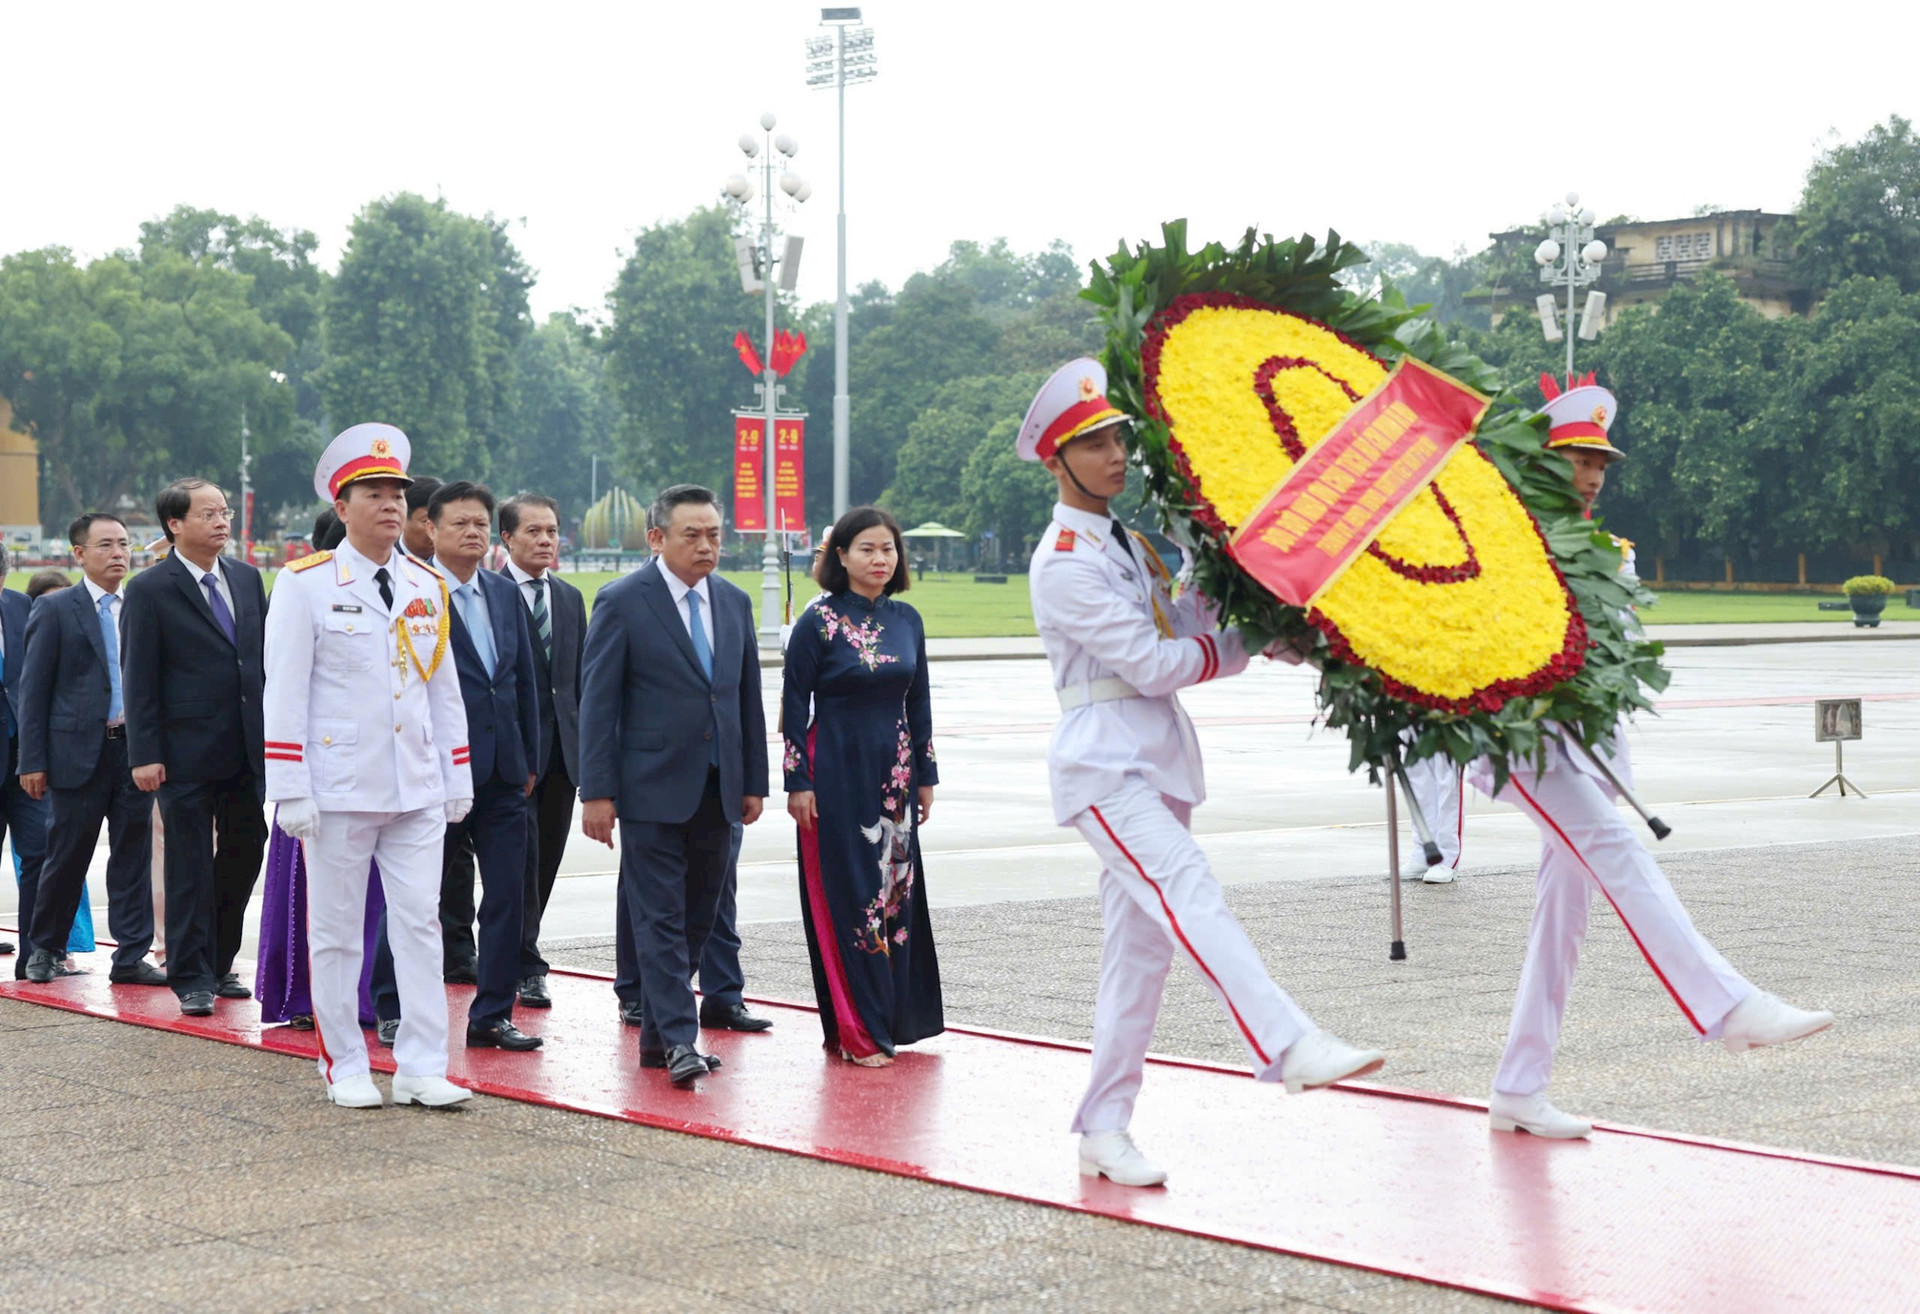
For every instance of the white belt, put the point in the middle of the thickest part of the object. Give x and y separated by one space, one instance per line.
1109 689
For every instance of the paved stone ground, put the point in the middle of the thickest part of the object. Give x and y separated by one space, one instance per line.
138 1167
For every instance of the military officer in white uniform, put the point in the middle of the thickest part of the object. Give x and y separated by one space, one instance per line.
1126 772
1441 794
367 759
1587 845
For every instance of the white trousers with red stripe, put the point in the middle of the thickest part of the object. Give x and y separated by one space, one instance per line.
1159 897
407 845
1442 796
1589 845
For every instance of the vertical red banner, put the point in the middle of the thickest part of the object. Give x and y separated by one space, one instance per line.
749 496
789 473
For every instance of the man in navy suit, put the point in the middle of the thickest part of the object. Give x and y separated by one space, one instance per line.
673 746
194 671
20 813
492 649
73 747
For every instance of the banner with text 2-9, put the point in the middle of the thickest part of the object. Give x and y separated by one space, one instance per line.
789 457
1340 496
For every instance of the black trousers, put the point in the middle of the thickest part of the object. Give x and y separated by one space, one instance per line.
457 948
208 884
109 796
672 876
25 819
495 831
721 979
548 822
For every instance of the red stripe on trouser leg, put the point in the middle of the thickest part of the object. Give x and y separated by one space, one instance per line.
1181 936
1534 803
319 1035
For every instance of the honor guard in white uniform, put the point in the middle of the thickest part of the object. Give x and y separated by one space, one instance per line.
1442 796
367 759
1125 769
1588 846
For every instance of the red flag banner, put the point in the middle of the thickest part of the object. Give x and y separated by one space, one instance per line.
749 498
1351 483
789 473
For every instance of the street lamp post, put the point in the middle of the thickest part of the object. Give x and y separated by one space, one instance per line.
846 56
1570 256
246 490
741 191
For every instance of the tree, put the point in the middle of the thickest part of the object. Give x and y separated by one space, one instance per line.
132 371
1859 213
1005 497
562 417
421 325
928 476
670 358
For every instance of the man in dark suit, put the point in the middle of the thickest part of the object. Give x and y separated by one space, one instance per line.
22 815
73 748
194 634
557 616
673 745
492 649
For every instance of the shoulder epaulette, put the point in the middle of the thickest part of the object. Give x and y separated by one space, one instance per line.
424 566
1066 541
309 562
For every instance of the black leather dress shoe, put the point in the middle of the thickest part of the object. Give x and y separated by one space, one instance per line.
533 992
653 1058
732 1017
631 1014
685 1063
138 974
230 987
6 946
40 967
467 975
386 1031
197 1003
501 1035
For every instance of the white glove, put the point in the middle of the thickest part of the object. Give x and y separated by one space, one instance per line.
457 809
299 817
1282 651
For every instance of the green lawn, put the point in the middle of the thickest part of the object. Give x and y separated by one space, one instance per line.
955 607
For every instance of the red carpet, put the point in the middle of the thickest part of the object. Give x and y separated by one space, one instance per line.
1394 1181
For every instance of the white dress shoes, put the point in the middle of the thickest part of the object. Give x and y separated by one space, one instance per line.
1440 875
1112 1155
355 1093
1532 1114
1763 1019
1320 1059
433 1092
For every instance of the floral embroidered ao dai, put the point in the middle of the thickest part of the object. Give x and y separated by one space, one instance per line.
858 728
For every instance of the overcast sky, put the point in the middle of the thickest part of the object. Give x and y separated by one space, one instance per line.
584 122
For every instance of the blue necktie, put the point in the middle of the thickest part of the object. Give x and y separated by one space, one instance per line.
701 648
221 615
482 640
110 636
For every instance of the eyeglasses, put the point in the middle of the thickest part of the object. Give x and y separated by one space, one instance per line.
215 517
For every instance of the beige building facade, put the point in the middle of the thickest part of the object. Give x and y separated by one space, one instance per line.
19 482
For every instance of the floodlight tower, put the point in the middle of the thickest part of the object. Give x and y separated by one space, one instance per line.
756 275
846 56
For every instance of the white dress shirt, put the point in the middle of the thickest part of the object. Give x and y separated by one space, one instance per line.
520 577
200 573
679 588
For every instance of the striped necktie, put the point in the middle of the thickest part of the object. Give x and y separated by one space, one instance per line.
542 621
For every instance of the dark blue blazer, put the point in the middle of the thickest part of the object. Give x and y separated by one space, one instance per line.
503 713
14 606
64 692
649 717
193 696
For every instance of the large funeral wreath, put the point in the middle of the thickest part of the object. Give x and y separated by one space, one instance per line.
1486 614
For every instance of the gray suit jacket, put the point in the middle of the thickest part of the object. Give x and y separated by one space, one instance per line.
650 718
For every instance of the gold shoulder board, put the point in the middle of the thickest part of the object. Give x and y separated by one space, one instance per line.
309 562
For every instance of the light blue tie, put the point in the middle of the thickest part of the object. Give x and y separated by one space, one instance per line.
701 648
478 632
110 636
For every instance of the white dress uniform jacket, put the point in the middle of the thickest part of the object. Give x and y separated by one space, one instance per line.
1095 609
350 721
